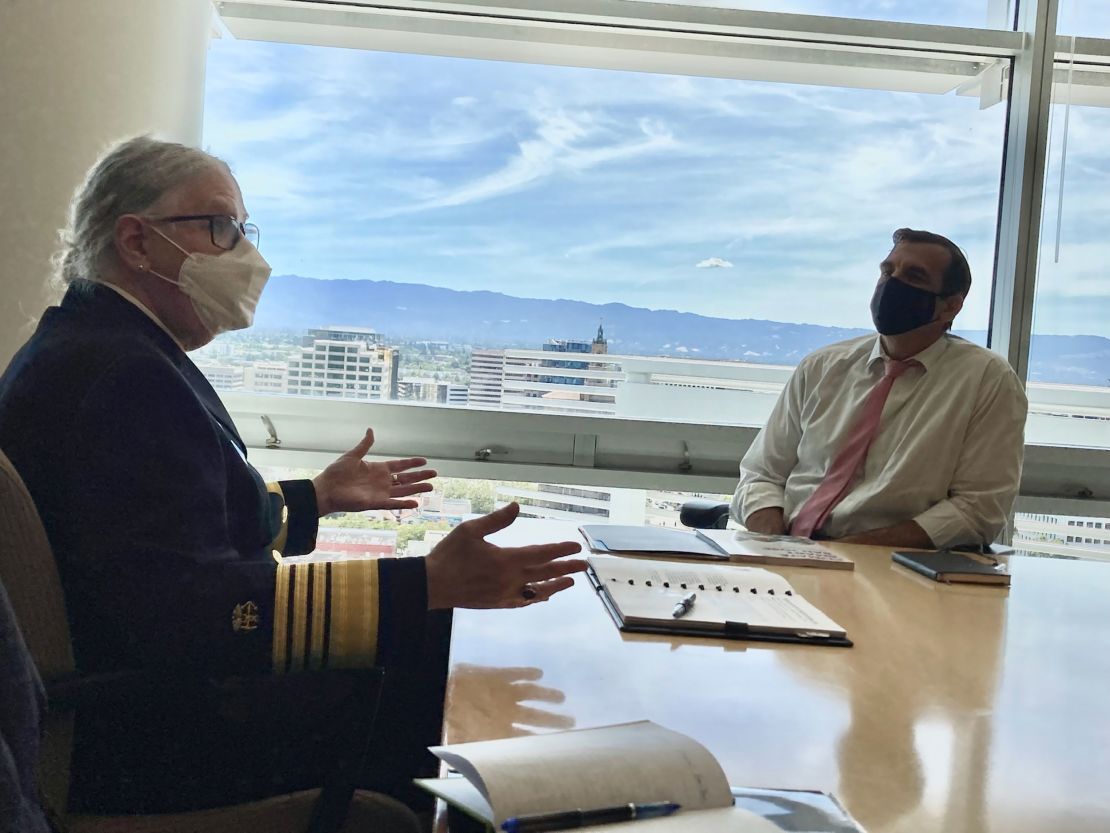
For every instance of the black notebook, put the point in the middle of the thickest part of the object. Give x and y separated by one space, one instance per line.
620 538
950 566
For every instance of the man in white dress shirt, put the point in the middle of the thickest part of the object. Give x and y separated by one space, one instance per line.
940 462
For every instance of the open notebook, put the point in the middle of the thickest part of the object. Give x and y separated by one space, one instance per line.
587 769
730 601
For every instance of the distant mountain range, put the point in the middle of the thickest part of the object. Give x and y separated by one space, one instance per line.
491 319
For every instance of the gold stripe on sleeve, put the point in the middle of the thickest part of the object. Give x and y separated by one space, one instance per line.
315 657
326 615
301 578
353 623
278 543
281 621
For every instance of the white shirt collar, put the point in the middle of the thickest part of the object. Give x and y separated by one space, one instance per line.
926 357
145 310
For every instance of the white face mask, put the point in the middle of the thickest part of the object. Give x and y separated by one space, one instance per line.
223 288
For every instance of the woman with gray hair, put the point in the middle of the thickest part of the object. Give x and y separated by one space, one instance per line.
168 541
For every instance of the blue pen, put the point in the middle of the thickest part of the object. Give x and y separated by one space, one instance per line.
581 818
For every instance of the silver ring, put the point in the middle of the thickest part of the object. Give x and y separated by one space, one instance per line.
396 479
528 592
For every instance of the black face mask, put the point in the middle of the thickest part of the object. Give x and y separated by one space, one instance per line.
897 307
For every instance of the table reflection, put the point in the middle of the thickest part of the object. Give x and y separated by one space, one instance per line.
926 656
490 702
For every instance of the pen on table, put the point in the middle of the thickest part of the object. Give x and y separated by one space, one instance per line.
684 605
581 818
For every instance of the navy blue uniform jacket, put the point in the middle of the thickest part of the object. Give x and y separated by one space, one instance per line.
162 534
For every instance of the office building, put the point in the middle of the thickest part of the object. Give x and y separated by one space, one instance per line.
344 362
487 370
223 376
266 377
337 544
536 380
580 504
456 394
1088 537
432 391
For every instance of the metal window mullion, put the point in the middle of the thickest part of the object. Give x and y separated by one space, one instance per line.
1096 50
633 16
1026 159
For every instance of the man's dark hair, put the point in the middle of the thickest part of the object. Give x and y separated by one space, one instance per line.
956 279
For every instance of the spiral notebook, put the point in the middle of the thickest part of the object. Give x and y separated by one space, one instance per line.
730 601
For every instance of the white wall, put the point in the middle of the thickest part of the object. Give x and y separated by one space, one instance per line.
78 75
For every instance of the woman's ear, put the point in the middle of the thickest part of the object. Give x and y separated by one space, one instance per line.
130 242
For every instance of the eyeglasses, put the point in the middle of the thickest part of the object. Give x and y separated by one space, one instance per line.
224 229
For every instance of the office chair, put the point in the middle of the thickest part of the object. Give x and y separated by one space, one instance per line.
700 513
21 704
29 573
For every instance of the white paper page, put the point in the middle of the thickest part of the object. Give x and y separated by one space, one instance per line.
647 591
461 793
720 820
703 577
739 542
590 768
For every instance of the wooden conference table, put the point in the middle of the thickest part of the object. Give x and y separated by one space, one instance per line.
959 709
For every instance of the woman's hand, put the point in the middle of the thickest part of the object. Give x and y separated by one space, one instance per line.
465 570
353 485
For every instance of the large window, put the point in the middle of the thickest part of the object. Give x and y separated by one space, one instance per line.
483 220
620 224
1069 375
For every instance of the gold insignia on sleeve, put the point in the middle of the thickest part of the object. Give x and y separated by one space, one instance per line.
244 617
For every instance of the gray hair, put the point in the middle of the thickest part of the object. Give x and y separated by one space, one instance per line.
129 179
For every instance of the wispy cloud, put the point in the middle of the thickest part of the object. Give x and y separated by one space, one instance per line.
561 143
714 263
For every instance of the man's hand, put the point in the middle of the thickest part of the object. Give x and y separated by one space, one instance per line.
351 485
465 570
769 521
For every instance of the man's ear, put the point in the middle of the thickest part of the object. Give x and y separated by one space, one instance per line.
950 307
129 238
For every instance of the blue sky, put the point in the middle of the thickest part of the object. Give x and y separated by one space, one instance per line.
721 197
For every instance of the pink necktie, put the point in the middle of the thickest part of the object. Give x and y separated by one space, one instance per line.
838 479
